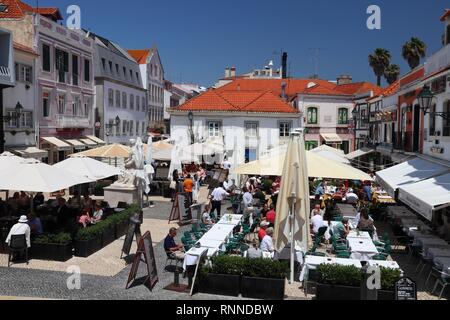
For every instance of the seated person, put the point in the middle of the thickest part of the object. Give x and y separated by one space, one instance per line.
259 195
247 198
254 252
267 242
38 200
317 209
206 217
170 245
341 229
98 213
84 219
316 221
76 201
262 230
264 210
271 216
87 202
35 225
352 198
365 221
20 228
13 203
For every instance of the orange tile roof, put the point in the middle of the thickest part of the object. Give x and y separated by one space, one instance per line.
140 56
392 89
237 101
445 15
413 76
23 48
17 10
357 88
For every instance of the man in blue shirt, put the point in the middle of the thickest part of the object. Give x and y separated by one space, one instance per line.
368 190
320 191
171 247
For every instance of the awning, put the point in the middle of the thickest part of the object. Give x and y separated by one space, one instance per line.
399 157
427 196
89 142
77 145
408 173
331 138
99 141
59 144
32 152
359 153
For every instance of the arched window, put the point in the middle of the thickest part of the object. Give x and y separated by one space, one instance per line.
343 116
312 115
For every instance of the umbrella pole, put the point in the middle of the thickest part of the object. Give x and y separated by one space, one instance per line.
291 280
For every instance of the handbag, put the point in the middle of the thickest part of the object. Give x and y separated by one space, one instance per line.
173 185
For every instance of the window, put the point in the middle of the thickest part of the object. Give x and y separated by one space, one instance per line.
45 104
310 145
87 70
124 72
131 74
87 107
62 64
124 127
118 128
137 77
46 59
312 116
76 106
446 122
24 73
138 100
131 127
75 70
144 108
144 128
251 129
250 155
104 64
117 98
117 68
343 116
137 128
61 104
285 129
110 66
124 100
214 129
25 121
111 97
12 123
131 102
433 120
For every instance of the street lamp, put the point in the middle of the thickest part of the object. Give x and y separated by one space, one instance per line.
16 115
191 126
425 98
109 126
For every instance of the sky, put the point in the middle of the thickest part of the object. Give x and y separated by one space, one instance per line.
197 39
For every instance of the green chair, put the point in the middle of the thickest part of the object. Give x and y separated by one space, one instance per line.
379 257
316 254
339 244
343 254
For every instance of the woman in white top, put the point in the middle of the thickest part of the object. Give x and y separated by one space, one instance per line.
98 214
206 217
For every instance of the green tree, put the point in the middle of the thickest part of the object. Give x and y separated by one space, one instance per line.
413 51
379 61
392 73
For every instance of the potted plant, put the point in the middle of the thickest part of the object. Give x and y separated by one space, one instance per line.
222 277
88 240
264 279
122 219
389 278
336 282
55 247
108 232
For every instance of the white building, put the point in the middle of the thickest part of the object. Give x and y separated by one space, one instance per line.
120 94
152 74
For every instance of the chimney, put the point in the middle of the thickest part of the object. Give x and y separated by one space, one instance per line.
233 72
344 79
283 90
227 72
284 59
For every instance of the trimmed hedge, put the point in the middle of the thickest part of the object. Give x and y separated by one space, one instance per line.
60 238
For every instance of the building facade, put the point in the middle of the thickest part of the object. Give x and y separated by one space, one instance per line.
120 94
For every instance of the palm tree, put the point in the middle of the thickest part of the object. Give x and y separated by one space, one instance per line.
379 61
413 51
392 73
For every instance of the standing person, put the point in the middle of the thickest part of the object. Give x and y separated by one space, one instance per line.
38 200
188 187
247 198
20 228
35 225
175 184
368 190
218 195
226 164
320 191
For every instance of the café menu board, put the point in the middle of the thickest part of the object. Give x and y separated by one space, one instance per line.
406 290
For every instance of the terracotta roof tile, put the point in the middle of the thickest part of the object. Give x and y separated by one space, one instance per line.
21 47
17 9
445 15
140 56
237 101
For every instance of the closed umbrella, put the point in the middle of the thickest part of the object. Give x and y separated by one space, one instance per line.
175 162
88 168
292 219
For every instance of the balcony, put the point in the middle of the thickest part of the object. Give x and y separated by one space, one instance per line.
64 122
6 59
438 61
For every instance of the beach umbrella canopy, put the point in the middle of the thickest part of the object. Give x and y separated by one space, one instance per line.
318 167
35 176
292 219
7 159
110 151
88 168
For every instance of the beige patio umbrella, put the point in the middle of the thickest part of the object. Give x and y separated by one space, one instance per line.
110 151
318 167
292 219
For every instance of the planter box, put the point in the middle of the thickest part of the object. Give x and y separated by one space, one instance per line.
260 288
84 249
108 236
120 229
386 295
220 284
52 252
331 292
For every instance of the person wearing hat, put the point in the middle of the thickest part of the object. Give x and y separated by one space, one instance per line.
267 242
352 197
20 228
262 230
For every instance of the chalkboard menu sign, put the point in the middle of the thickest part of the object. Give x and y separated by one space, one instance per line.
134 230
145 250
406 290
181 210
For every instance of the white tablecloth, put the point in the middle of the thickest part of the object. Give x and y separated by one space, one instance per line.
427 242
362 249
312 262
362 235
235 219
384 264
219 232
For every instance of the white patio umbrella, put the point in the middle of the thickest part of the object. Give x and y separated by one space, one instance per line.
34 176
7 158
89 168
175 162
292 219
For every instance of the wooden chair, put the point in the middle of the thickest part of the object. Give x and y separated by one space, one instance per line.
18 244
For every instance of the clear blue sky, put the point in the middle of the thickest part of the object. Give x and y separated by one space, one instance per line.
197 39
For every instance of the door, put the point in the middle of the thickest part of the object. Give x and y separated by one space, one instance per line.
250 155
416 129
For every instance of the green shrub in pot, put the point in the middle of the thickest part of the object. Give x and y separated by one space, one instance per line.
338 275
389 278
228 265
265 268
60 238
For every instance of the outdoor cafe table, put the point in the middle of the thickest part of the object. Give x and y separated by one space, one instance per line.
443 262
435 252
427 243
363 235
312 262
362 248
347 210
235 219
220 232
384 264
